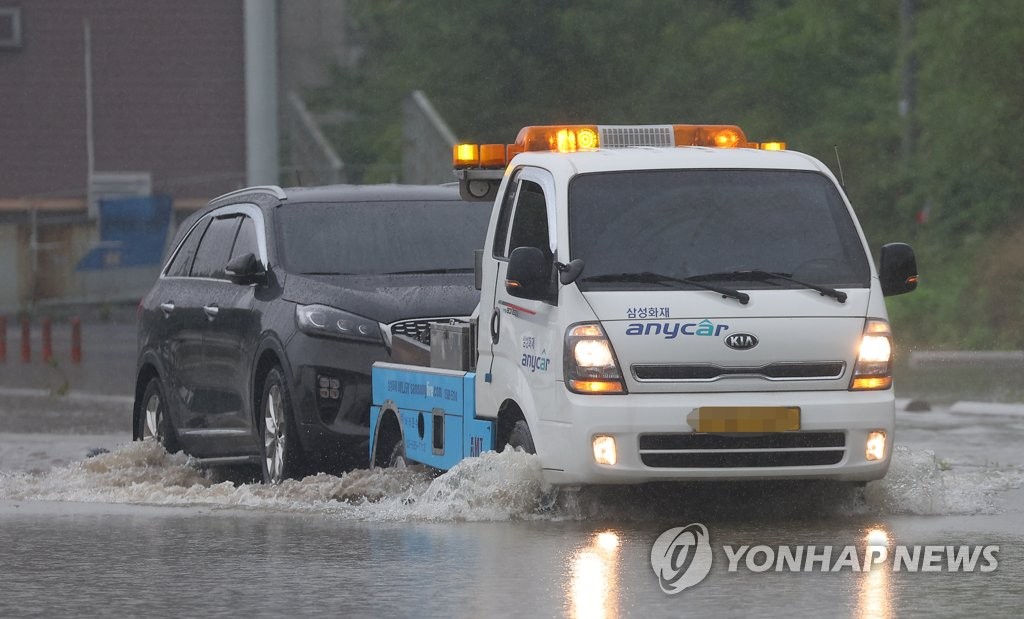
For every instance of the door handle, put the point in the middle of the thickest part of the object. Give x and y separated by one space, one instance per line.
495 325
167 308
211 311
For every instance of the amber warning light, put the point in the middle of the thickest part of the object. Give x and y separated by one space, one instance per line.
579 138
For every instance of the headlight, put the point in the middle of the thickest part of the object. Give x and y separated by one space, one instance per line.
874 357
589 361
325 321
593 354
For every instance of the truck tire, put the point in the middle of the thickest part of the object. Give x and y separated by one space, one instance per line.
396 460
520 437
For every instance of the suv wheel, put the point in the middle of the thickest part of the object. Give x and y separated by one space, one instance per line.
154 423
282 454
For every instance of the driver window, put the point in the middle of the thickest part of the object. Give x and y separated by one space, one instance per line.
530 222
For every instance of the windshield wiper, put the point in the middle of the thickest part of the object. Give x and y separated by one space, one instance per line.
431 271
759 275
647 277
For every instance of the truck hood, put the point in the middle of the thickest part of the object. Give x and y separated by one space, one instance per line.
679 341
388 298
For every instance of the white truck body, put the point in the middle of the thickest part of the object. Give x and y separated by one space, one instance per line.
689 397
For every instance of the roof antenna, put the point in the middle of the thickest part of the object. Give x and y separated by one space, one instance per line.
842 181
298 177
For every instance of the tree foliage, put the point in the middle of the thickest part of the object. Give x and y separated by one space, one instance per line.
824 77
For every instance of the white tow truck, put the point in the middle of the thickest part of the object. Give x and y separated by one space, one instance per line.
669 302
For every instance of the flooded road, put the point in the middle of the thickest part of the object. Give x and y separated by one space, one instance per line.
137 531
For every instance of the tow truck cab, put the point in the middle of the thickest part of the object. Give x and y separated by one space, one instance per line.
694 306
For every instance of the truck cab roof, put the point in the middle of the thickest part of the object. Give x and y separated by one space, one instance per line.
651 158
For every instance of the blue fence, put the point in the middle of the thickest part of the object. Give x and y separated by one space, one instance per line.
132 233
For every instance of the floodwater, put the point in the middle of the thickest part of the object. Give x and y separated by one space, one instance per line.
139 531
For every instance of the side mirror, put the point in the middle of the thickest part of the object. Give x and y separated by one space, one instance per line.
897 269
529 274
246 269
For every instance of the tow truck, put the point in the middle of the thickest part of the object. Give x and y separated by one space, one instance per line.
658 302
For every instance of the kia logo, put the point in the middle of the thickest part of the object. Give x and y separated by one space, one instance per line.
741 341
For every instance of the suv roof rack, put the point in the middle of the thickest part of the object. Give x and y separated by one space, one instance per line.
273 190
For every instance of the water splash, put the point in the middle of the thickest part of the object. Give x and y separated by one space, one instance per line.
505 486
921 483
493 487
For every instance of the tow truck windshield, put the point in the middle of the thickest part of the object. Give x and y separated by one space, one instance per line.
754 229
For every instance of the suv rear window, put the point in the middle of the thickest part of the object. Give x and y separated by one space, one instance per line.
381 237
686 223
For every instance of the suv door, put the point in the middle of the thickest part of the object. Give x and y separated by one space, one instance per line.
230 334
164 328
204 401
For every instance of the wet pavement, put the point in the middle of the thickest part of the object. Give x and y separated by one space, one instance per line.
138 531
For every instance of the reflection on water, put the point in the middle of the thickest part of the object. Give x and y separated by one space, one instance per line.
593 589
874 597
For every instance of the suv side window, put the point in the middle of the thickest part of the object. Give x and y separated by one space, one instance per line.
214 249
182 262
530 224
245 242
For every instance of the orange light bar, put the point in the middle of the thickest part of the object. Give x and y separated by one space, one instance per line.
465 155
559 138
512 150
492 155
718 136
575 138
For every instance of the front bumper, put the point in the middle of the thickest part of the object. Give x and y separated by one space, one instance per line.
333 424
567 454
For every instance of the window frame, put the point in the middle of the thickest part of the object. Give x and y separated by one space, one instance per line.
243 209
546 181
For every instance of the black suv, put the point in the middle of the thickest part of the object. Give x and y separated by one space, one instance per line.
255 344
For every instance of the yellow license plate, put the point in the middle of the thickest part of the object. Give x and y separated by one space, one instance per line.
724 419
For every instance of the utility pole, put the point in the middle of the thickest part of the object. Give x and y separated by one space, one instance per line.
261 92
90 145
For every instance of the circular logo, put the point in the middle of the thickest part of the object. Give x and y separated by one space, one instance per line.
741 341
681 557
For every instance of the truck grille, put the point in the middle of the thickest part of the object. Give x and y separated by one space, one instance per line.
705 372
695 450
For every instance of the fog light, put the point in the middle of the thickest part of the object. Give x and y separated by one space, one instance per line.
874 449
604 450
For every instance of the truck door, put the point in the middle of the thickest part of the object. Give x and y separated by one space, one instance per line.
518 363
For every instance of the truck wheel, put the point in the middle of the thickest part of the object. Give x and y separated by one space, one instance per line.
520 437
154 422
282 456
